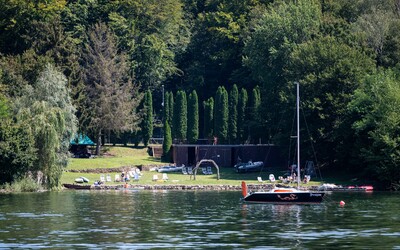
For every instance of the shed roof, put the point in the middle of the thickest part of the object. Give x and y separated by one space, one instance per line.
81 139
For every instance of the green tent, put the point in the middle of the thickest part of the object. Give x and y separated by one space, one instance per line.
81 139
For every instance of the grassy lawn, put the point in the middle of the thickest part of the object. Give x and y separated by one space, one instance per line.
114 157
126 156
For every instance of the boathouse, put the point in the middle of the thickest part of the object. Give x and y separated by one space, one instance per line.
227 155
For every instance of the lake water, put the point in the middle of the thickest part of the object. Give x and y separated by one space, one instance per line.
195 219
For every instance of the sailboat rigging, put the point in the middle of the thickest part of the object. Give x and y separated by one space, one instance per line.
286 195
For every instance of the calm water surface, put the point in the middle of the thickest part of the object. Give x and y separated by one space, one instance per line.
195 219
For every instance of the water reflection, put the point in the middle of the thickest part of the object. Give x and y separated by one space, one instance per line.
181 219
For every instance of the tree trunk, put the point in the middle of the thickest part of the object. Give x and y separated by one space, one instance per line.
98 145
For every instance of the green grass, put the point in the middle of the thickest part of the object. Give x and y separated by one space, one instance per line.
126 156
114 157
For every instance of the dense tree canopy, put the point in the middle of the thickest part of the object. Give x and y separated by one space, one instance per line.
108 53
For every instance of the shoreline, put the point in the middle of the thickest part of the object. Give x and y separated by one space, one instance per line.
210 187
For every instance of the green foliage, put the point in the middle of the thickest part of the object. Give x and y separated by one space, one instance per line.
193 118
25 184
242 110
147 123
167 142
17 150
329 71
171 105
233 114
376 104
112 99
180 115
221 112
208 107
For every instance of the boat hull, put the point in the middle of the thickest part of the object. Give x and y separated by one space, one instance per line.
285 198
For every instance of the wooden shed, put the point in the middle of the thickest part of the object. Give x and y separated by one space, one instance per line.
227 155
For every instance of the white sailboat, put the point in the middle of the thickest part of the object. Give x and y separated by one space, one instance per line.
286 195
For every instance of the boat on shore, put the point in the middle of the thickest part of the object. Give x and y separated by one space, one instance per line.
286 195
168 169
77 186
248 166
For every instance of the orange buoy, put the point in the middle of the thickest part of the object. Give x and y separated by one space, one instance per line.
342 203
244 189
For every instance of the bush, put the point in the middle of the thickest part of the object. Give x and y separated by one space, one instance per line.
25 184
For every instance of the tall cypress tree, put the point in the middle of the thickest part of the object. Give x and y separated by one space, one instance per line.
193 118
221 115
171 104
166 110
233 114
167 142
242 107
208 118
180 115
147 127
255 103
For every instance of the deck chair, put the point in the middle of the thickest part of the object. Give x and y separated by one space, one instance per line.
307 178
190 170
136 176
184 170
108 178
259 179
209 170
138 171
165 177
272 177
102 178
155 177
204 170
117 178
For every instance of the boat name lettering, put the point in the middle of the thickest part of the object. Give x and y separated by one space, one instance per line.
291 197
317 195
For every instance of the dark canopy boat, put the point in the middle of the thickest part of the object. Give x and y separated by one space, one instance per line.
286 195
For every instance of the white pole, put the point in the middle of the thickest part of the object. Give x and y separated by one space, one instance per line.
298 133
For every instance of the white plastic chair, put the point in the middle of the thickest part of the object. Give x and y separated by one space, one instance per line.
165 177
272 177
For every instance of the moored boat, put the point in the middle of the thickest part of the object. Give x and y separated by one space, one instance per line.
286 195
248 166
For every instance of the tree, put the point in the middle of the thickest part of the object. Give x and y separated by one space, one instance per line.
253 115
48 110
167 142
242 110
112 99
221 115
375 106
329 72
193 118
171 104
275 32
233 114
180 115
208 117
147 123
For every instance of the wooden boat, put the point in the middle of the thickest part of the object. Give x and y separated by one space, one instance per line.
286 195
76 186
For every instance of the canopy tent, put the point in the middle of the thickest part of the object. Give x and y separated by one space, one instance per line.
81 139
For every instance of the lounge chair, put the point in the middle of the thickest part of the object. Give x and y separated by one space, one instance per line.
184 170
190 170
209 170
155 177
259 179
165 177
108 178
102 178
272 177
136 176
204 170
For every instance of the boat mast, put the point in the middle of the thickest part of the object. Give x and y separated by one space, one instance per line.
298 132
